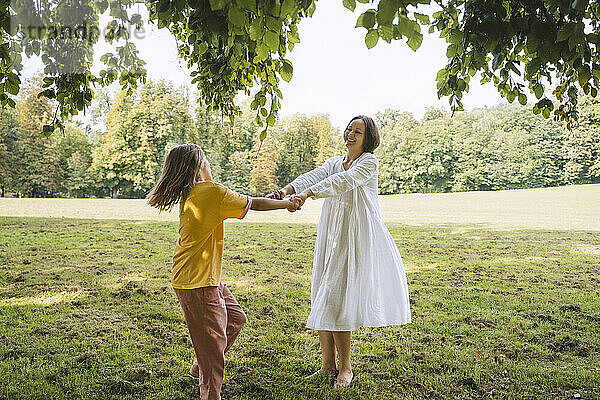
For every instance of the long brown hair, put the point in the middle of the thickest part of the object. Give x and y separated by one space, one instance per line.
371 140
177 177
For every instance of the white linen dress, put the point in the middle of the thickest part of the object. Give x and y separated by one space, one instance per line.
358 277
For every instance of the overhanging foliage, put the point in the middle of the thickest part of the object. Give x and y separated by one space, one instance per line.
546 47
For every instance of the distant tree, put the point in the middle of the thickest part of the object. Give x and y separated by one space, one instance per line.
36 162
582 146
296 148
329 139
77 181
111 158
394 153
237 172
263 178
8 137
130 154
388 118
73 141
433 113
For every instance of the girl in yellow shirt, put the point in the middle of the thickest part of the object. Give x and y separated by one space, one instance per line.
213 316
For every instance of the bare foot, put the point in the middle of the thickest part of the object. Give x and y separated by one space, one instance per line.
194 370
344 379
322 371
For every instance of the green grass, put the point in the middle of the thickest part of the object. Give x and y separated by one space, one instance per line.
87 312
559 208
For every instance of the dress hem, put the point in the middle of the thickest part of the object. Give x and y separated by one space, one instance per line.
346 329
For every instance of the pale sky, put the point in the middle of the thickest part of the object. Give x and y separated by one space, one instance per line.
334 72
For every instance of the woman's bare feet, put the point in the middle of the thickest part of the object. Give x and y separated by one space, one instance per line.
195 370
323 371
344 379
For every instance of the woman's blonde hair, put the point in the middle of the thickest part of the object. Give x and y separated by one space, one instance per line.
178 175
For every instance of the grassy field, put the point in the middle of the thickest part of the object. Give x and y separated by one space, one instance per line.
87 312
567 207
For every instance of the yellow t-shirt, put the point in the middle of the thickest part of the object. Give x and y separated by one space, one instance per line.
199 251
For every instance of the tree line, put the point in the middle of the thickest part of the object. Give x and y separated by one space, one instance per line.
505 147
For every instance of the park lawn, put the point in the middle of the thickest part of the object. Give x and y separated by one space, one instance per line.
87 312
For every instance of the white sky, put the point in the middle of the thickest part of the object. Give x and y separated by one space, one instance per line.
334 72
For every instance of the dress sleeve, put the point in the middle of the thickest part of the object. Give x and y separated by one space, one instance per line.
234 205
341 182
310 178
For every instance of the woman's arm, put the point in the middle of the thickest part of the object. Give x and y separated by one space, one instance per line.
304 181
344 181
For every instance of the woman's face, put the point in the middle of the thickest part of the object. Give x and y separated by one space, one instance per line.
354 135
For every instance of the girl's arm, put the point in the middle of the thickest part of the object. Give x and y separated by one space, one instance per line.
264 204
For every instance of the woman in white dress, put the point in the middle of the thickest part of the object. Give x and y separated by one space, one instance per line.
358 277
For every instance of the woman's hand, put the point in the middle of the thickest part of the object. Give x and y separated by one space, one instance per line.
301 198
277 195
280 194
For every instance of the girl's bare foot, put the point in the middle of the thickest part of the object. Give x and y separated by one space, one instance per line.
344 379
322 371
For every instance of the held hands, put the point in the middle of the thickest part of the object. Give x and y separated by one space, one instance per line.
293 204
301 198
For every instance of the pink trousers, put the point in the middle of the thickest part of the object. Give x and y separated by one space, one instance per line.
214 319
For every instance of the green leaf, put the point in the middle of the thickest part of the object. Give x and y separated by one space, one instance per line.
366 19
288 7
451 50
386 11
546 112
14 78
263 134
350 4
564 32
237 16
415 41
386 32
522 99
538 90
249 5
422 18
271 120
371 38
201 48
12 87
510 96
256 29
136 19
218 4
286 71
262 50
272 40
47 130
273 24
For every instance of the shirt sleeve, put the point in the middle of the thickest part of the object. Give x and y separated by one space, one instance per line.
311 178
234 205
341 182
